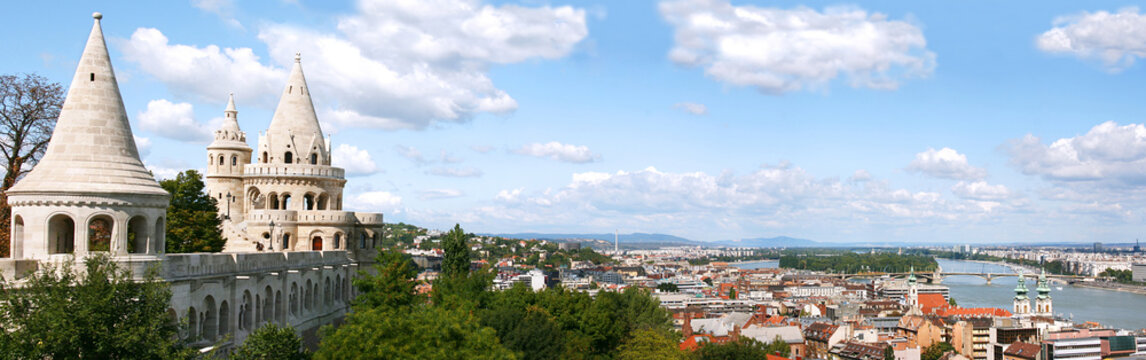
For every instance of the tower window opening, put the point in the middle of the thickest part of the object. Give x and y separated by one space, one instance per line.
92 77
314 159
264 158
288 157
221 160
234 160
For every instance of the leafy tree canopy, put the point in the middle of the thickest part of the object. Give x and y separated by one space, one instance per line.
650 344
745 348
193 223
272 342
419 332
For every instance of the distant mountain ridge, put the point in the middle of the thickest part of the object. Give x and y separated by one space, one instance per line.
672 240
779 241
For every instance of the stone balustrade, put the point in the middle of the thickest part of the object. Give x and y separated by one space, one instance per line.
278 216
369 218
204 265
294 170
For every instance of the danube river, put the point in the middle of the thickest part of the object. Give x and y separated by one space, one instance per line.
1111 308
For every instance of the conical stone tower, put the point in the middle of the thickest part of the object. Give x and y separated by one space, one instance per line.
90 192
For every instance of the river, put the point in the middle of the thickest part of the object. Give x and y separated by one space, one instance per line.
1110 308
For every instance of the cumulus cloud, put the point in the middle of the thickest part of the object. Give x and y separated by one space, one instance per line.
945 163
392 65
356 161
204 73
223 8
1107 153
481 148
374 201
143 145
691 108
509 195
411 153
436 194
175 121
560 152
455 172
1115 39
981 190
777 50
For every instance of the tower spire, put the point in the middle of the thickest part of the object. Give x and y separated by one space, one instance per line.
92 148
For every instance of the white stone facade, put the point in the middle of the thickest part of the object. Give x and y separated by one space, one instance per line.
90 194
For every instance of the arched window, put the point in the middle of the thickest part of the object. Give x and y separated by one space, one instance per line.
220 160
193 324
137 235
314 159
286 241
362 240
268 305
263 159
224 318
210 318
323 199
210 159
337 241
286 201
234 160
316 243
18 238
327 295
293 299
279 305
99 233
288 157
246 310
273 204
308 202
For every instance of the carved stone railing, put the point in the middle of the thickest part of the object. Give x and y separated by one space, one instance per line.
294 170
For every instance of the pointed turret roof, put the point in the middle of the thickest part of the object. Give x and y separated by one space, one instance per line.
1021 288
229 135
295 113
911 276
1043 288
92 149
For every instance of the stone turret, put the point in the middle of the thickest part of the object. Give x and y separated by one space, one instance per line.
226 158
90 192
294 136
1043 305
1022 302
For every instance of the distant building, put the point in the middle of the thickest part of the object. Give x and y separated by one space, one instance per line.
1138 272
1098 247
569 246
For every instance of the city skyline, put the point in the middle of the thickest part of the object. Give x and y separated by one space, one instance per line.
708 120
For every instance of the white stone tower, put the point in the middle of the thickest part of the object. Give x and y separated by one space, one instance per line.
1043 306
90 192
226 158
1022 302
294 136
912 289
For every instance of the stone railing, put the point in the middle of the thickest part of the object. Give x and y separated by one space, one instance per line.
294 170
369 218
278 216
198 265
325 216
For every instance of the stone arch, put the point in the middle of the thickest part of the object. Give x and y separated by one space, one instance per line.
172 317
285 201
273 201
286 241
192 324
293 299
224 318
137 239
221 159
308 201
255 199
61 234
327 294
100 231
246 321
288 157
210 321
338 287
268 304
210 160
234 160
362 239
279 306
158 246
314 159
323 201
263 158
17 237
338 241
317 301
308 297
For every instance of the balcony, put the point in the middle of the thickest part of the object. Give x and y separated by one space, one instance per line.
302 170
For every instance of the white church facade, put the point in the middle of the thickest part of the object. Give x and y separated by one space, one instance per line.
291 250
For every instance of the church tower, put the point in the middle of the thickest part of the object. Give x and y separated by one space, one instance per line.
226 158
1043 306
90 193
1022 302
912 290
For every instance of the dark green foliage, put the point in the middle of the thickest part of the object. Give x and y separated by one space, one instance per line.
393 287
889 353
847 261
536 336
745 348
708 281
779 346
456 260
417 332
649 344
193 223
272 342
936 350
951 301
1122 276
99 314
668 287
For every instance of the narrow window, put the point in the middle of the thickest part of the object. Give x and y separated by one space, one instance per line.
93 77
234 160
314 159
288 157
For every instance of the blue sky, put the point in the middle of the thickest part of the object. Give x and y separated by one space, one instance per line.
852 121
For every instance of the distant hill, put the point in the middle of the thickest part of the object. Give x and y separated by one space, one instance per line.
642 239
779 241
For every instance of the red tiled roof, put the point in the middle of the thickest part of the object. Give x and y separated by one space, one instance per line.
974 312
930 303
820 331
1023 350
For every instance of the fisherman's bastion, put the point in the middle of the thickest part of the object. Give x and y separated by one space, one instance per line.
291 250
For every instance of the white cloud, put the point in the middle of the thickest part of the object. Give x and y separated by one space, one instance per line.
691 108
1115 39
481 148
435 194
777 50
509 195
560 152
356 161
204 73
375 201
1107 153
143 145
945 163
411 153
448 158
392 65
860 175
981 190
223 8
175 121
164 172
455 172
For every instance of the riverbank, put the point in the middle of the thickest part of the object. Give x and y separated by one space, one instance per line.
1104 285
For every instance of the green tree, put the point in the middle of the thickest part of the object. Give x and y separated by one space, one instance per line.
420 332
936 350
649 344
951 301
536 336
708 281
888 353
732 293
745 348
668 287
393 286
272 342
779 346
99 313
29 106
193 223
456 260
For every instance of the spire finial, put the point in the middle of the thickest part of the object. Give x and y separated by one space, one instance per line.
298 57
96 15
